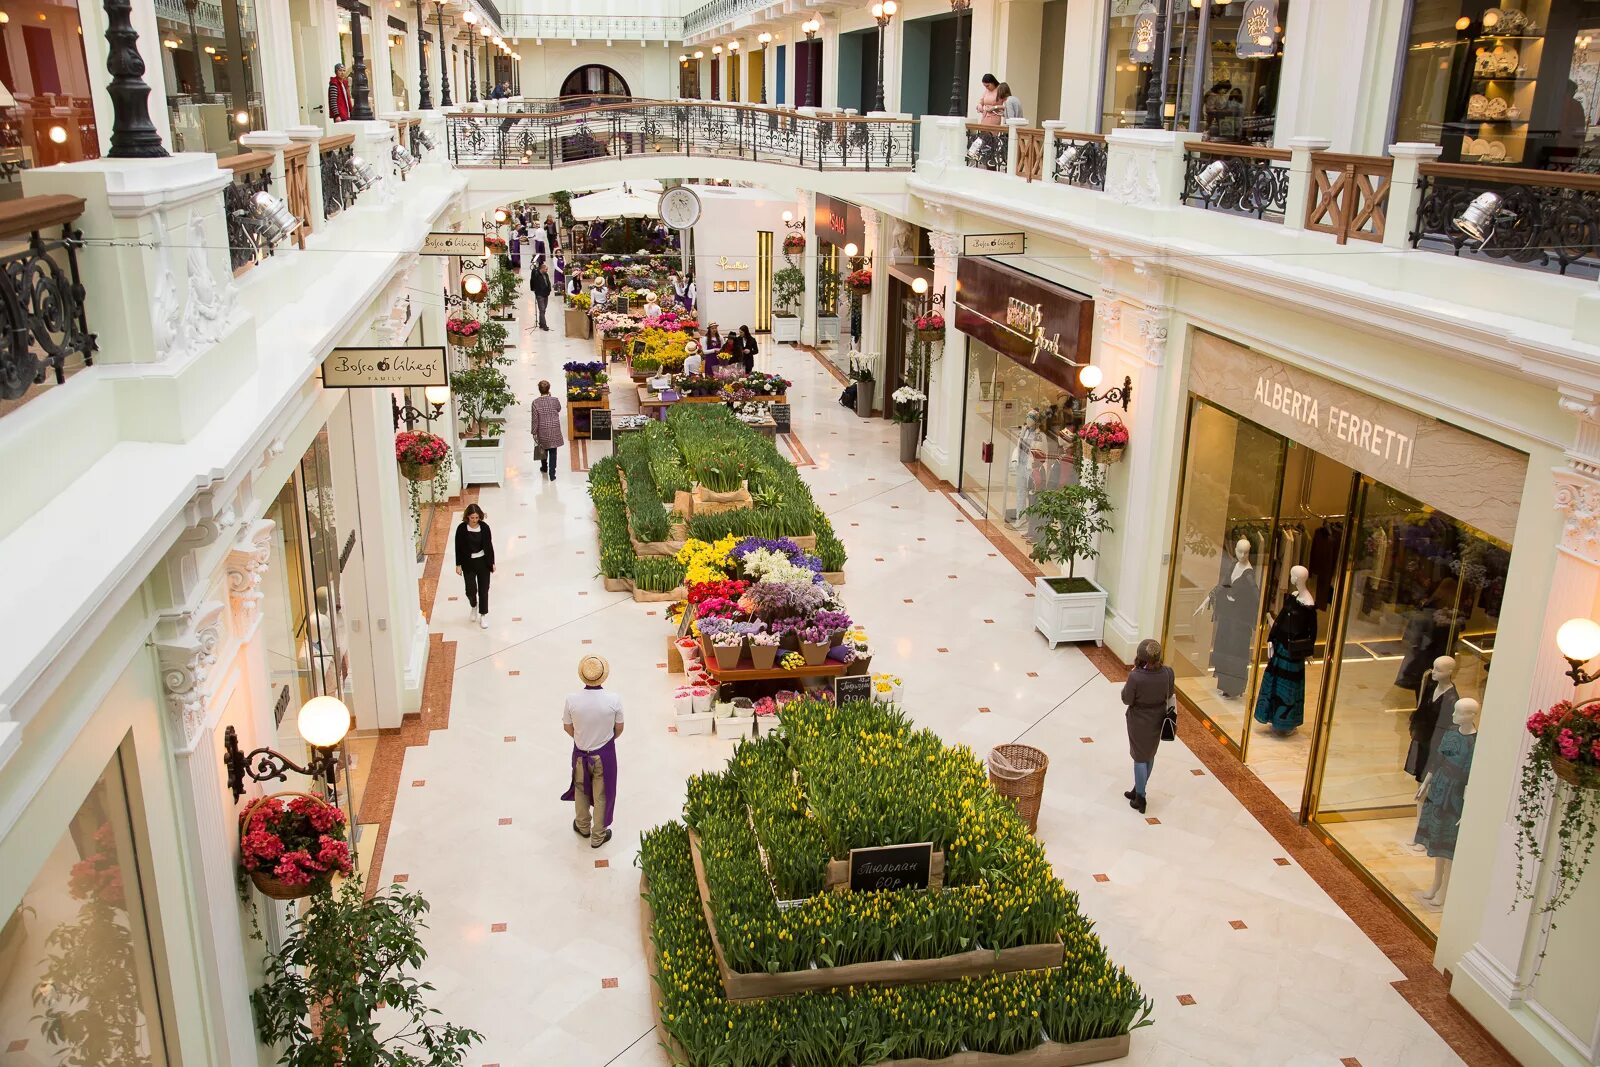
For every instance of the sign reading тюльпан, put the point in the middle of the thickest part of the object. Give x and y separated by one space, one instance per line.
385 368
891 867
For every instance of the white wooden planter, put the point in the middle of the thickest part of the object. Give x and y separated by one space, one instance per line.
483 461
827 328
736 726
786 329
1069 616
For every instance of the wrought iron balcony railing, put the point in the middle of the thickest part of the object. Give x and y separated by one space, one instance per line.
987 147
725 131
1547 220
1079 159
338 191
715 13
593 27
1237 179
45 330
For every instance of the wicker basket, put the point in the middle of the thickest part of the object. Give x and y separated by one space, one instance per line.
1017 773
269 884
1573 775
419 472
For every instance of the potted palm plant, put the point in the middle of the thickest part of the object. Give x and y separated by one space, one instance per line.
482 396
1068 522
788 289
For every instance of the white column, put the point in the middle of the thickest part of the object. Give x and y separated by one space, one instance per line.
378 59
830 63
275 36
946 375
1403 192
808 308
875 315
1301 180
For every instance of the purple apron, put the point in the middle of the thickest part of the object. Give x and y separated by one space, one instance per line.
606 757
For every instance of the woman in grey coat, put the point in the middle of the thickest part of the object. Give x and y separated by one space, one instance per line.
1147 692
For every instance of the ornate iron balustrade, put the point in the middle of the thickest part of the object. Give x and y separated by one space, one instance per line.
337 156
252 174
717 12
1546 220
1349 196
725 131
41 294
987 147
1237 179
1079 159
593 27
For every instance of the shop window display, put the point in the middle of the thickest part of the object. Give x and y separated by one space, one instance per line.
77 975
1218 73
46 114
1337 633
210 66
1516 85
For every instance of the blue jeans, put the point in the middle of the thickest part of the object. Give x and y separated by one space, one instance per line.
1141 776
548 464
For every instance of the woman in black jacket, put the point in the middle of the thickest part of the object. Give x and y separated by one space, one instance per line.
475 561
748 349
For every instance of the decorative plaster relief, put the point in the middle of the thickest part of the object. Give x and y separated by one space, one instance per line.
186 661
246 565
206 516
166 317
946 250
1137 182
1153 332
211 303
903 247
1578 500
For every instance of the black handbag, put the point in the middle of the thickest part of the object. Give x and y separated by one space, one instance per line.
1169 724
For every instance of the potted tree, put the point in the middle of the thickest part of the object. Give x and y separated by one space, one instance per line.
505 285
788 289
482 396
342 988
1069 520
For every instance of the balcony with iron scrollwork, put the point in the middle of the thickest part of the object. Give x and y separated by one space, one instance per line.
1078 159
1542 220
672 128
987 147
252 174
1237 179
593 27
46 336
338 160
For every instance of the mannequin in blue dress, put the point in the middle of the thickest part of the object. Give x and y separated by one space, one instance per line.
1444 793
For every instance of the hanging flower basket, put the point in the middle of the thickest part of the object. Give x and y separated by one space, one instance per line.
930 327
419 472
419 454
1566 748
1106 437
859 281
1574 775
292 844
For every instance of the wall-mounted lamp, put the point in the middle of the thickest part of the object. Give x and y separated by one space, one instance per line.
357 174
402 159
472 288
1579 642
269 219
435 396
850 250
793 223
501 216
1481 216
322 723
1090 376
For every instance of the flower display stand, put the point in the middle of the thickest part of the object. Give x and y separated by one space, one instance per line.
579 427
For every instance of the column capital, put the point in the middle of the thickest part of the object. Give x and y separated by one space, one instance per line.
246 564
186 657
946 249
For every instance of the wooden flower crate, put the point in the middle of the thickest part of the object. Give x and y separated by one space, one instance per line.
574 431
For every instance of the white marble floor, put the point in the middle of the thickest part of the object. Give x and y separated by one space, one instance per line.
538 947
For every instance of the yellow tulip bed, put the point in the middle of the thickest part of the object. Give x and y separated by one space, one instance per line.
1001 894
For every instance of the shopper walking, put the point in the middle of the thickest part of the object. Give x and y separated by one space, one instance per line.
593 719
547 437
1148 694
748 349
539 282
475 561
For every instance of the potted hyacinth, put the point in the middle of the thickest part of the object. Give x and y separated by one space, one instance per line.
814 644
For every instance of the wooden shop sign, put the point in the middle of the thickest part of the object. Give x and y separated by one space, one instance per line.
1046 328
385 368
994 244
450 243
891 867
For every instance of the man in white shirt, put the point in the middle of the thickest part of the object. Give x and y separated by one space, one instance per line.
694 362
593 719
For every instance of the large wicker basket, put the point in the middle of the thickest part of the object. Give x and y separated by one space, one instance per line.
269 884
1017 773
1574 775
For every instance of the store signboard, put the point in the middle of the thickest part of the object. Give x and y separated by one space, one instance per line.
891 867
1468 477
448 243
994 244
839 222
385 368
1047 328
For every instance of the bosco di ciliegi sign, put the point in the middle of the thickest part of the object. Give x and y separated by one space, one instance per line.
385 368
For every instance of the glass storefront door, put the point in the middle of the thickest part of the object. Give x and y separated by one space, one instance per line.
1379 756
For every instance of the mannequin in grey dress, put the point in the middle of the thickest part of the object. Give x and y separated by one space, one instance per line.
1235 604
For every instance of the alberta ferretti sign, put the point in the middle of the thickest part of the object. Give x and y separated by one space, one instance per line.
1467 477
384 368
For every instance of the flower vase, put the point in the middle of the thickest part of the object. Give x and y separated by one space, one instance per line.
815 652
762 657
835 639
728 655
910 440
789 641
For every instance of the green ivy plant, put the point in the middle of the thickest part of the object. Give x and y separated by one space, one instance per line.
1070 518
352 960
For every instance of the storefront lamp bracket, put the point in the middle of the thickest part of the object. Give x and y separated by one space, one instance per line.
323 723
1090 376
1579 642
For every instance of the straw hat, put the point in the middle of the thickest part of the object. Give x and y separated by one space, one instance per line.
593 670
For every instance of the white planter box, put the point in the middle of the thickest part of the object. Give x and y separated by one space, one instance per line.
483 461
735 726
694 724
786 329
1069 616
827 328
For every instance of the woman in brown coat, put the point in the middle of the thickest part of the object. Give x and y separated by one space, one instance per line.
1147 692
547 428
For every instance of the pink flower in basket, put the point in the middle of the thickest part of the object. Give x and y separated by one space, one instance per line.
1105 436
766 706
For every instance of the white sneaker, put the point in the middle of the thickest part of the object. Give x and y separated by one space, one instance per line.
474 616
483 621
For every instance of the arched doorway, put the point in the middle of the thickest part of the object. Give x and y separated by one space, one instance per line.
594 79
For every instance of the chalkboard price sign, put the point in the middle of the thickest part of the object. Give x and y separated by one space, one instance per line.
781 415
599 424
852 687
639 348
891 867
